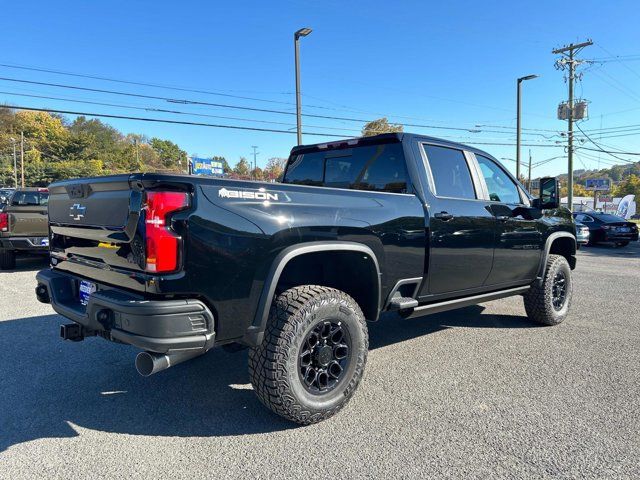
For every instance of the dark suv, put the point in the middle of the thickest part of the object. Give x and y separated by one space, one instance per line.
176 265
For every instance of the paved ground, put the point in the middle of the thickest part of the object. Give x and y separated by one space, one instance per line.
476 393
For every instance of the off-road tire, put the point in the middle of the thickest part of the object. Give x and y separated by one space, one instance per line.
274 365
538 301
7 259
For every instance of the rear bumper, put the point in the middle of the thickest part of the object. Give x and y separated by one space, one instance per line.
162 326
620 237
25 244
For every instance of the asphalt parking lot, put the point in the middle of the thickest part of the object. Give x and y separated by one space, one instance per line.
480 392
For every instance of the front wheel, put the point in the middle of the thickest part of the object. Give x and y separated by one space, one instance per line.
312 356
623 243
548 303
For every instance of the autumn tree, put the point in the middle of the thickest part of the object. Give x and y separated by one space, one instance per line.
242 168
275 168
381 125
629 186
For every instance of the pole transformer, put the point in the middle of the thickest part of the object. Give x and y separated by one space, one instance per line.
569 61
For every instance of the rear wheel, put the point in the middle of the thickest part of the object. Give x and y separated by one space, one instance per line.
548 303
623 244
312 356
7 259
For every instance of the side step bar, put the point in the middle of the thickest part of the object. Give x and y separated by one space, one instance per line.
465 302
402 303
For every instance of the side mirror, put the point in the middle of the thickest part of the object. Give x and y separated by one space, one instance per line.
549 194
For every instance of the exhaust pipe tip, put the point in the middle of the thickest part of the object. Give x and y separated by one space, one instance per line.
149 363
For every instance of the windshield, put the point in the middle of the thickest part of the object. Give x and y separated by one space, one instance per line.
605 217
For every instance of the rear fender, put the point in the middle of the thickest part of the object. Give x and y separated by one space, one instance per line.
255 332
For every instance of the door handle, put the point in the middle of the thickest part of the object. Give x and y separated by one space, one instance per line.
444 216
502 218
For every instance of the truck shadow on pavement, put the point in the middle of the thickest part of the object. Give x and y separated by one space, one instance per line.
52 389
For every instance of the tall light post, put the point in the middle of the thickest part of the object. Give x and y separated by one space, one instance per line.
518 120
303 32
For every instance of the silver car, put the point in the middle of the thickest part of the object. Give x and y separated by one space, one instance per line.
582 233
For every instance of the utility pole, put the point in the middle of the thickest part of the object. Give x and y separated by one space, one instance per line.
255 161
22 157
135 140
568 59
15 164
529 181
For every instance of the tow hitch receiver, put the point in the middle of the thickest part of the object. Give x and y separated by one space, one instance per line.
72 331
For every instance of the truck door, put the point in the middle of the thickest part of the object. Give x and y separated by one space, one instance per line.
518 240
460 226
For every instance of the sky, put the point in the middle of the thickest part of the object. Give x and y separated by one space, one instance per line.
451 65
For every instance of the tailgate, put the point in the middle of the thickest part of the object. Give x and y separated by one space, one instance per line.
94 221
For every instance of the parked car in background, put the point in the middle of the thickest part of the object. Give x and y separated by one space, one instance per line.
604 227
5 193
582 233
23 225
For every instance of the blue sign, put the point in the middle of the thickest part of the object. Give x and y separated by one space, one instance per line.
206 166
601 184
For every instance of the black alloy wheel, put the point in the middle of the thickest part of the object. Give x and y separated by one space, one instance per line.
324 356
559 290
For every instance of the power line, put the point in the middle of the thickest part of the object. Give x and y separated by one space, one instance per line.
220 105
600 148
194 90
160 110
164 120
178 112
234 127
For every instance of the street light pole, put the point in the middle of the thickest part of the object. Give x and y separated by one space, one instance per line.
303 32
519 121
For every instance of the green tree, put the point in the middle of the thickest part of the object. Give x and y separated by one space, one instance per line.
242 168
381 125
171 155
225 165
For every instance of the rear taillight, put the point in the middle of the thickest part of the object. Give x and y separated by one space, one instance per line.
4 222
162 243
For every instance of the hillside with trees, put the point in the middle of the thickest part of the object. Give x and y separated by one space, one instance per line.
55 148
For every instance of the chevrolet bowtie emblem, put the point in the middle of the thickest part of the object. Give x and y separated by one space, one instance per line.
77 211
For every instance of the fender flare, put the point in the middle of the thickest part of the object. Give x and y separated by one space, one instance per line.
547 248
255 333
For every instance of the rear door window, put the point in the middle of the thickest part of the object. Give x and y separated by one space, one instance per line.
450 172
378 168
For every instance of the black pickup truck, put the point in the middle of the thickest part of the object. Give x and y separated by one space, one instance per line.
176 265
